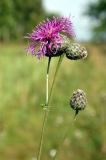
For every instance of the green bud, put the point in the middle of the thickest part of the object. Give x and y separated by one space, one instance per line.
78 100
75 51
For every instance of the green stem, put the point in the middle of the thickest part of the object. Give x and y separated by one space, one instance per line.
45 114
47 103
54 79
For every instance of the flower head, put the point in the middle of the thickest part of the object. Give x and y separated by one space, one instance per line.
48 36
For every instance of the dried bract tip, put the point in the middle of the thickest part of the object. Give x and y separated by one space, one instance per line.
78 100
75 52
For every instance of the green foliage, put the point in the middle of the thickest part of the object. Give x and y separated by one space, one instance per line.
17 17
22 91
97 12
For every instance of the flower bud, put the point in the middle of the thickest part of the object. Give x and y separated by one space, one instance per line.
75 52
78 100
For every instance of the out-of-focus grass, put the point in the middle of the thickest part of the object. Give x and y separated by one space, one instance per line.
22 91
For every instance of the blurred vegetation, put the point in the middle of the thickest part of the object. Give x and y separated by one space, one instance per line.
97 13
22 91
18 17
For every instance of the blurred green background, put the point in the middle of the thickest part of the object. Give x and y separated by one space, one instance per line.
22 90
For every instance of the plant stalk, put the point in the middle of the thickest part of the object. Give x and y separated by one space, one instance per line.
46 112
55 75
48 98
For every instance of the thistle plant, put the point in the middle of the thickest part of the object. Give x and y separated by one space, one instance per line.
55 38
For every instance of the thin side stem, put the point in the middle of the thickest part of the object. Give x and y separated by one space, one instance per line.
54 79
63 139
45 114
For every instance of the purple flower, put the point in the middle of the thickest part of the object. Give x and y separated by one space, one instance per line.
47 37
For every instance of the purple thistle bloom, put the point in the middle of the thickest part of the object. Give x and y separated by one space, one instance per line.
48 36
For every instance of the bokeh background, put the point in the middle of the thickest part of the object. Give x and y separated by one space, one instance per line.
22 84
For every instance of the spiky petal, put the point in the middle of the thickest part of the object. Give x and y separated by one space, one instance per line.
49 35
